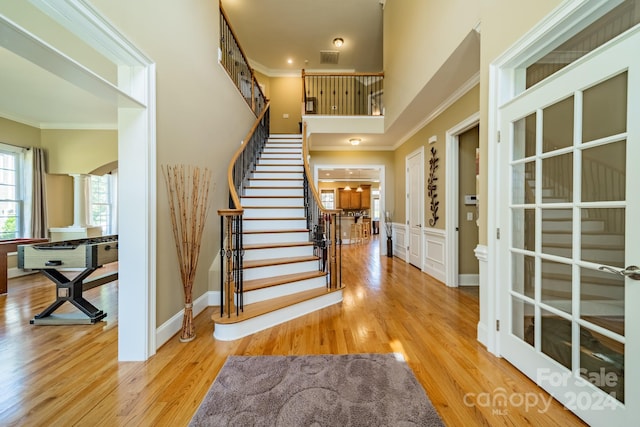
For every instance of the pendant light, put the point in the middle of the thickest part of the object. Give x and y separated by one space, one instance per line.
359 189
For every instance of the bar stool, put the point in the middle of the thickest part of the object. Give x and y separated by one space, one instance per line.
366 229
355 233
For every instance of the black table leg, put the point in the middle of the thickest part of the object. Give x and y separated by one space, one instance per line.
70 290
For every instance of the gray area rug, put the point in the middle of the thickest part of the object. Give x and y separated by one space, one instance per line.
325 390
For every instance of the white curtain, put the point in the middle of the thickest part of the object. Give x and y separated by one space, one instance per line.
35 200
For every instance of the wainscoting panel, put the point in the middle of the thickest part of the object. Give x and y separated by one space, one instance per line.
400 241
435 260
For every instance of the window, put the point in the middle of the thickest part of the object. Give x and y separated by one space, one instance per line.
328 199
11 215
102 206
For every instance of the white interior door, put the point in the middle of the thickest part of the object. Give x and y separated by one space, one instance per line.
415 203
569 299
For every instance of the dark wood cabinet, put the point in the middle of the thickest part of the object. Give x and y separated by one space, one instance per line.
355 199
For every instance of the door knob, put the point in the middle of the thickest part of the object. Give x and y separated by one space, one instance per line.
632 272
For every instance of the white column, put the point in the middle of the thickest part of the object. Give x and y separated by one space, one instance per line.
81 200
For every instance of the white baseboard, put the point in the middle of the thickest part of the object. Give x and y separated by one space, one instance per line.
172 326
468 280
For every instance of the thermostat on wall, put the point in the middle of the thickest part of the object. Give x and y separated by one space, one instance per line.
470 199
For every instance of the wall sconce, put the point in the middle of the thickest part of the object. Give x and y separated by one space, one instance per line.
338 41
354 141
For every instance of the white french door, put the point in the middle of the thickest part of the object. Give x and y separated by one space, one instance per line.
570 216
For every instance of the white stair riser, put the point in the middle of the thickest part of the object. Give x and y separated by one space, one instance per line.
585 273
278 145
289 212
603 240
274 224
260 238
279 270
281 192
236 331
279 168
271 292
282 150
276 175
271 253
592 289
594 225
268 156
269 201
602 255
280 161
258 183
561 214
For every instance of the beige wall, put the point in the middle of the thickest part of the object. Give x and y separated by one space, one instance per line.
497 35
418 38
201 119
467 230
286 98
79 151
464 108
15 133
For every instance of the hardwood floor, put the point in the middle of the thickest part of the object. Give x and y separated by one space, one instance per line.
69 375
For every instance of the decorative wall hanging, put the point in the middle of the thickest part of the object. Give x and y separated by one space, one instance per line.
431 187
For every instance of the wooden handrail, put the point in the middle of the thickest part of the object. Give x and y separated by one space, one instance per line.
235 36
232 186
307 171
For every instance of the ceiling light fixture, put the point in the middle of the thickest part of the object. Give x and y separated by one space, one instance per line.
359 189
338 41
354 141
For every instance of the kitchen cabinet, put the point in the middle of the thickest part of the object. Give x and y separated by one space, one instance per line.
365 197
354 199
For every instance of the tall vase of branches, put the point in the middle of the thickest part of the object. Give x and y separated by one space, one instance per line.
188 191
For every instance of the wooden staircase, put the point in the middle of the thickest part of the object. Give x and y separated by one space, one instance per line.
281 277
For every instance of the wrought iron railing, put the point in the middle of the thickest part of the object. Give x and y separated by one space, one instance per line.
235 62
343 94
324 226
232 252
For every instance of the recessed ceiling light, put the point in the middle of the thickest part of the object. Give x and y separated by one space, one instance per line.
289 61
338 41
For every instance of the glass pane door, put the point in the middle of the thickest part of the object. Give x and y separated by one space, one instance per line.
568 207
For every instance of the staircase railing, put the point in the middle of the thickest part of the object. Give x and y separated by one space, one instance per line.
343 94
235 62
324 225
232 252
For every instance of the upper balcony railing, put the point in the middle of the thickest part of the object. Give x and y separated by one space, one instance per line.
343 94
235 62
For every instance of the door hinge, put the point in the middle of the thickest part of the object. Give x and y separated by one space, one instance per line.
498 233
498 136
497 325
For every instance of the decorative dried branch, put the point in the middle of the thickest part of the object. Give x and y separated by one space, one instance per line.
188 191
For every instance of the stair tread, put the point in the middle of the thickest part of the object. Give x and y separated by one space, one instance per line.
275 245
271 197
256 187
292 230
264 307
272 207
267 282
294 218
278 261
